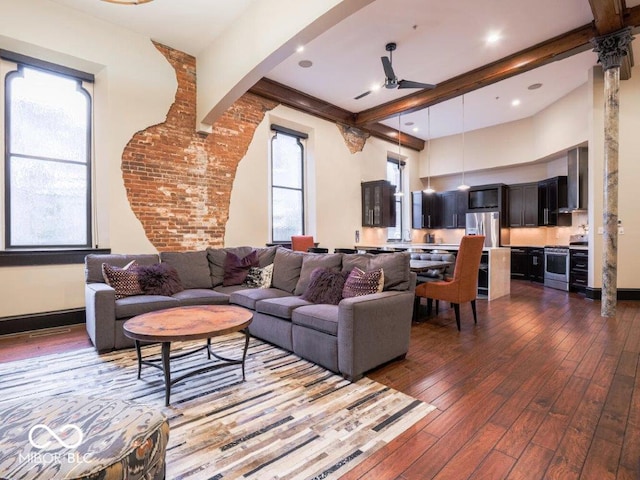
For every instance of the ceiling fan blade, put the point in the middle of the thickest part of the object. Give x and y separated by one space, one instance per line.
362 95
410 84
388 69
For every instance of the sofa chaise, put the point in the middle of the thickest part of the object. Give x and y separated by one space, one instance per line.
351 337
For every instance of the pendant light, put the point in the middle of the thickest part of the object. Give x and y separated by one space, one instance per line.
463 186
399 194
429 190
128 2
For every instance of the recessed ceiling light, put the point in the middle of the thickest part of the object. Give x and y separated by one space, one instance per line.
375 88
415 129
300 49
515 103
408 124
305 63
534 86
493 37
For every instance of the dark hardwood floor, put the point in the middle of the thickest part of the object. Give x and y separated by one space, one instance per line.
543 387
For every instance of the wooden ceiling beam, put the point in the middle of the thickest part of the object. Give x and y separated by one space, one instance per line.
556 48
314 106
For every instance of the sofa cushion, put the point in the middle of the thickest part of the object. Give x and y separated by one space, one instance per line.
310 262
236 268
395 266
360 283
93 263
229 290
325 286
201 296
139 304
280 307
158 279
192 267
248 297
123 280
286 269
323 318
217 256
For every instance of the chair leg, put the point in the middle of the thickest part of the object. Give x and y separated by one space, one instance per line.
473 307
437 304
456 307
430 305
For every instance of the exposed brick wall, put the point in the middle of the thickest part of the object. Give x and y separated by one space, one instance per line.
179 181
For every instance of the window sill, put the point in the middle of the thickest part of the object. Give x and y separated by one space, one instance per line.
22 258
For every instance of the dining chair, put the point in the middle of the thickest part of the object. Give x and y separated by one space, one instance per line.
463 287
301 243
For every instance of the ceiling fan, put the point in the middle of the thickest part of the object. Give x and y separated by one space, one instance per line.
390 80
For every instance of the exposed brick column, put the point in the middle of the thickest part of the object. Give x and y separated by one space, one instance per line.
178 181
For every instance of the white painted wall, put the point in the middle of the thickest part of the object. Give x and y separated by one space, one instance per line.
334 200
126 101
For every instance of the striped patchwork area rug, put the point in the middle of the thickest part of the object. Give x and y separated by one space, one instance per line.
289 419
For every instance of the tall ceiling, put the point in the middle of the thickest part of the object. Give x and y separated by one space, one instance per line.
436 40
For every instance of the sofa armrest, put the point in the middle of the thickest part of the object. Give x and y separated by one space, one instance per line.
100 305
373 329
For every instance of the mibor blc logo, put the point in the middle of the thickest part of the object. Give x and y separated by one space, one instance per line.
61 442
43 438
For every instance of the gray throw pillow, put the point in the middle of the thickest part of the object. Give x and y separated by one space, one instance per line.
192 268
286 269
310 262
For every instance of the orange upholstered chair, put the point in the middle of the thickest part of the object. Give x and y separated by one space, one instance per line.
463 287
301 243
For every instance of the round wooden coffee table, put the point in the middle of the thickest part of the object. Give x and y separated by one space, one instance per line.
187 323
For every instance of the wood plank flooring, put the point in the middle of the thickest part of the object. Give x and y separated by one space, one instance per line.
543 387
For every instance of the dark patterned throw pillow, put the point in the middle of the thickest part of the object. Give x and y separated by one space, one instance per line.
325 286
159 279
236 268
123 280
363 283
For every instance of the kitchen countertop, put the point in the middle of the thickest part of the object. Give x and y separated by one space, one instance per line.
420 246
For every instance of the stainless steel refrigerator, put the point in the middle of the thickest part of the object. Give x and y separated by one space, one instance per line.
487 224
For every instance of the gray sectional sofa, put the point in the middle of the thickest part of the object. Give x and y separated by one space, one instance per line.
357 335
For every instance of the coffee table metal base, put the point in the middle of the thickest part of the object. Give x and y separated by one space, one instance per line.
164 362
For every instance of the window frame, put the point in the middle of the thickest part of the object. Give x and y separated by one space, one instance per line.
21 255
300 137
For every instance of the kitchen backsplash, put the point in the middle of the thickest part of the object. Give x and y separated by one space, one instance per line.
519 236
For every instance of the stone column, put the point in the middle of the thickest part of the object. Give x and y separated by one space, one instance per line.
611 49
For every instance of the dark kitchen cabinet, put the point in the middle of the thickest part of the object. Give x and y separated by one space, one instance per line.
378 204
454 208
519 263
527 263
578 270
552 196
426 210
536 265
523 205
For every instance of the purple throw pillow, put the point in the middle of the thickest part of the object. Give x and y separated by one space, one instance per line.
159 279
325 286
236 268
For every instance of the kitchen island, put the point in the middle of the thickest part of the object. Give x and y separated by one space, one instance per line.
494 275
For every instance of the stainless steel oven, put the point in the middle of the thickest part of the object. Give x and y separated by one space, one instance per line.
556 267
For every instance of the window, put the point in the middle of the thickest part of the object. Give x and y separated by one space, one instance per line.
394 176
47 174
287 184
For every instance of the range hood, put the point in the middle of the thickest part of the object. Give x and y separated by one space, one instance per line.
577 180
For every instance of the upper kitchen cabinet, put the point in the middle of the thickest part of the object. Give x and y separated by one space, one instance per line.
552 197
378 204
426 210
523 205
454 208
